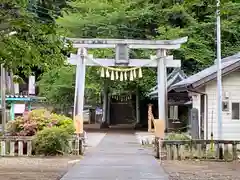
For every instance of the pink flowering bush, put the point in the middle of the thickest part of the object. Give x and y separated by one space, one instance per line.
36 121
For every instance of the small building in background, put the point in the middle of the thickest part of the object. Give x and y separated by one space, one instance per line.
202 88
21 98
179 103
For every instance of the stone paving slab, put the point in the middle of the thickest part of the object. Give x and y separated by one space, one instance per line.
117 157
94 138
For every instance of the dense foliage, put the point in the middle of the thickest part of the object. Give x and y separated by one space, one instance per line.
50 131
58 87
51 141
36 121
27 41
148 19
165 19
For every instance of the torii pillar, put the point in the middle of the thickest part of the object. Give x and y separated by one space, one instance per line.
79 90
162 87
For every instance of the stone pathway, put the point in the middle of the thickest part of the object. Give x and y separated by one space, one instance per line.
94 138
117 157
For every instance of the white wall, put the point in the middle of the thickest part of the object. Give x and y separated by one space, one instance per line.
230 128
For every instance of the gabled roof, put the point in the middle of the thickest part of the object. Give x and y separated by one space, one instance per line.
229 64
175 76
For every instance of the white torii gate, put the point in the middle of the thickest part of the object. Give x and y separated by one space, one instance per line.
160 60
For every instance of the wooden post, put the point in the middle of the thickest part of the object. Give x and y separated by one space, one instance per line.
31 85
20 148
80 141
12 148
157 147
234 151
104 122
12 89
29 148
137 107
3 98
150 116
12 111
161 80
3 148
108 109
70 145
29 106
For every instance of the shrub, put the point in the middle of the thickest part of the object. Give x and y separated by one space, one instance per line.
66 123
51 141
37 120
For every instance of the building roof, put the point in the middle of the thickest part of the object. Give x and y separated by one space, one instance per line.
229 64
175 76
24 98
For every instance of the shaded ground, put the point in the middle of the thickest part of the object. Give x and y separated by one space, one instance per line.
34 168
202 170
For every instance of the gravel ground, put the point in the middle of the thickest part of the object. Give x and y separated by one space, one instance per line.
34 168
202 170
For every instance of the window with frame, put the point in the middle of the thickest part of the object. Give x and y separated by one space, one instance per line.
225 106
173 112
235 111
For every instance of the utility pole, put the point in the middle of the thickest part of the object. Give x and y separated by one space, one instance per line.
3 100
219 76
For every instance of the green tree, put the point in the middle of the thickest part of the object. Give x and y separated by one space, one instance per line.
150 19
57 86
197 20
165 19
48 10
35 44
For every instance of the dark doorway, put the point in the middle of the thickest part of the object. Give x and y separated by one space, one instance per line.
122 109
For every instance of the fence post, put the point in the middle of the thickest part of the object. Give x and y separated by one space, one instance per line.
12 148
234 149
157 155
3 148
80 146
29 148
20 148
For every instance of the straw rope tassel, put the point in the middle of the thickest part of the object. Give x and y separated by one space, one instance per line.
121 76
134 73
125 76
112 75
102 72
140 73
131 76
116 75
107 73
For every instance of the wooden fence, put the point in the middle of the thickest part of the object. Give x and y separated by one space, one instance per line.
23 146
197 149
